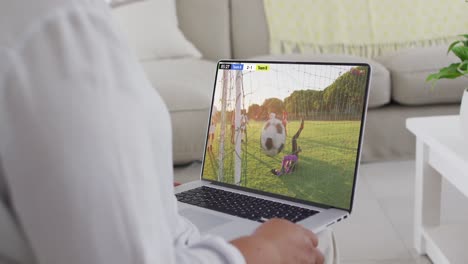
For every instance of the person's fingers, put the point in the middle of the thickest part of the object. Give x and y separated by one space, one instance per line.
318 256
312 236
313 255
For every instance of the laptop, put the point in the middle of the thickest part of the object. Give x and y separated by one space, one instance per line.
283 141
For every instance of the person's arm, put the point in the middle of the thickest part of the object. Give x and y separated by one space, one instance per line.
89 170
274 242
187 236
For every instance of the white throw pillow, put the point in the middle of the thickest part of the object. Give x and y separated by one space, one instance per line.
152 30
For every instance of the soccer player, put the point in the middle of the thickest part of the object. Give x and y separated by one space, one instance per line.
288 165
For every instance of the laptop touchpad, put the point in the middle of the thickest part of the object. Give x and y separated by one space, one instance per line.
204 221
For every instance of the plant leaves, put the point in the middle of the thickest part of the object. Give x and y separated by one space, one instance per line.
452 45
454 70
461 52
449 72
431 77
460 67
465 42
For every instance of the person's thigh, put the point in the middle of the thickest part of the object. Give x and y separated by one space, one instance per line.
328 246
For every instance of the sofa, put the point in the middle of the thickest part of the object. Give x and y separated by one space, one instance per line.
237 29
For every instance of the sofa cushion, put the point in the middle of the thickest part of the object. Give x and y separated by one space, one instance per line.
206 23
151 28
379 93
386 136
186 86
409 69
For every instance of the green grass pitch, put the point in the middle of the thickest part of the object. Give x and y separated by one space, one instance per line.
325 171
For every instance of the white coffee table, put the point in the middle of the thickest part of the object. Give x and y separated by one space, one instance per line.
440 152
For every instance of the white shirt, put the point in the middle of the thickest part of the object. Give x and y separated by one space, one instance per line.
85 143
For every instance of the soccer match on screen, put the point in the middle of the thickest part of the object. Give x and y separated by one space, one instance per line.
287 129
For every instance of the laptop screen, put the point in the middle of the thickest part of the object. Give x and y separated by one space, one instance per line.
288 129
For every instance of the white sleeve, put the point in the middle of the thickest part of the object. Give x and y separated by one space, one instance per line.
85 144
202 247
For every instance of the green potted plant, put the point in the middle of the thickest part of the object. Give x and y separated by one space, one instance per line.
457 70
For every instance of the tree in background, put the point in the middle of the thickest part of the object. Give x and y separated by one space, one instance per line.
342 99
254 111
272 105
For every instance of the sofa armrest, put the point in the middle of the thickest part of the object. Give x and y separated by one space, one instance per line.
206 24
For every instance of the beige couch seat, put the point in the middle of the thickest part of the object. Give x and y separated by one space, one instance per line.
409 69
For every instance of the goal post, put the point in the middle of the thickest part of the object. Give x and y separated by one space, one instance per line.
222 135
238 133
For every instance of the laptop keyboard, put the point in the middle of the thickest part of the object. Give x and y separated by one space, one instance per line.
244 206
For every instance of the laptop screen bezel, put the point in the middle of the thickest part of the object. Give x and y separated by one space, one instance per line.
292 199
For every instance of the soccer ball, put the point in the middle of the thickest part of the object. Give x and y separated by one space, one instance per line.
273 137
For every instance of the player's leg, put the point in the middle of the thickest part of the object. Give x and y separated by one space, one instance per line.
233 132
285 124
210 141
295 137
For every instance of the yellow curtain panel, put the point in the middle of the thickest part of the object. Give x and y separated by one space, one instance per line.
365 28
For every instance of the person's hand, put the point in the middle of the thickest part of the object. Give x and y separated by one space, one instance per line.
293 243
282 242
